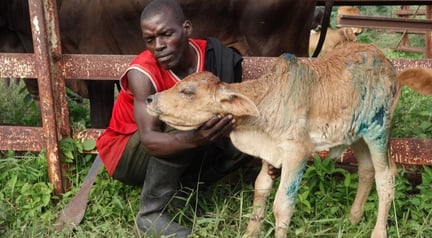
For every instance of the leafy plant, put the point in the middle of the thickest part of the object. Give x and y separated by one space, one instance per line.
412 119
16 105
25 192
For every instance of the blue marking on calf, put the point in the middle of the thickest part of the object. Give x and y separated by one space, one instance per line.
377 119
363 127
364 57
295 184
288 56
363 93
379 116
376 62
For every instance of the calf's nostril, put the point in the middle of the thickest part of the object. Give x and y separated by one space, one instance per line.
149 99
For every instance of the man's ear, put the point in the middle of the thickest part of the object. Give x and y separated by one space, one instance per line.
235 103
187 26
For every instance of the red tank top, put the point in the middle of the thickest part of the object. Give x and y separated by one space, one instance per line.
113 140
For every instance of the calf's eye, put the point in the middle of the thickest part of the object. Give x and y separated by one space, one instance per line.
188 91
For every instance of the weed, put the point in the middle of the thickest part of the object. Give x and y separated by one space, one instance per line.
16 105
413 117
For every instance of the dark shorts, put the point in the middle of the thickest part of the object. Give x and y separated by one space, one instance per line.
209 162
133 163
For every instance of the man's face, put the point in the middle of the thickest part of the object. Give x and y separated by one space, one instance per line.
166 38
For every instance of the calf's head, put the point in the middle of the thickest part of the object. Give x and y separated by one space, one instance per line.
196 99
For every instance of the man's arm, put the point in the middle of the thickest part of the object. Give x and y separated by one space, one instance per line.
159 143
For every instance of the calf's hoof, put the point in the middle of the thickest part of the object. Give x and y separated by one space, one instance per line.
379 232
355 217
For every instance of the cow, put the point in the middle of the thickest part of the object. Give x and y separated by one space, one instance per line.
345 98
252 28
334 38
348 10
318 18
337 36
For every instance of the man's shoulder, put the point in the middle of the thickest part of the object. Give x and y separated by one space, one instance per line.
144 59
145 55
213 42
208 42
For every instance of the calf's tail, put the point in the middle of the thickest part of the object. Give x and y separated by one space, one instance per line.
419 79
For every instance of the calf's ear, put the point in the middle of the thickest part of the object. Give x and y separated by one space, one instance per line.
236 104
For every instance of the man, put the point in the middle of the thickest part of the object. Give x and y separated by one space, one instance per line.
139 149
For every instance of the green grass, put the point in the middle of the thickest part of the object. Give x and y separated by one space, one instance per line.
17 106
413 115
322 206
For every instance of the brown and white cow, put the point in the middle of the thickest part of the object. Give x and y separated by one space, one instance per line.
334 38
338 36
299 106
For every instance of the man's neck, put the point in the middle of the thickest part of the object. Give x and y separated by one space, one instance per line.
189 63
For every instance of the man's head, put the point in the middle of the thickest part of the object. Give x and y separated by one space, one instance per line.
165 31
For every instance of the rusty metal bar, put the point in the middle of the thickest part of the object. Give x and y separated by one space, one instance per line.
405 151
43 65
98 67
386 22
428 35
17 66
57 82
255 66
405 13
110 67
21 138
376 2
56 65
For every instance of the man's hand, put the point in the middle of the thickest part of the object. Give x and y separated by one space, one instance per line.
214 129
273 172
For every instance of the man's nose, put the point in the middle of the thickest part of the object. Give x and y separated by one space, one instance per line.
160 43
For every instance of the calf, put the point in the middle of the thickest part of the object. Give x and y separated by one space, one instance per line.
299 106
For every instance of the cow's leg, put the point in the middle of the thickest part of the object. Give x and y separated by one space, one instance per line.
33 89
101 97
262 189
385 182
283 207
366 175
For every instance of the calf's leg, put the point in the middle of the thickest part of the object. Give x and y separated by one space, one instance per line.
283 207
366 176
262 189
385 182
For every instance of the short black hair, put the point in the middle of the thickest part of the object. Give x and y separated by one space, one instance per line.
158 6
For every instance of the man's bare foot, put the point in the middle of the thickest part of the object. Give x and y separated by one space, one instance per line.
273 172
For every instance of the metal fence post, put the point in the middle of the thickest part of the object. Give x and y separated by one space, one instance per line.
53 105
